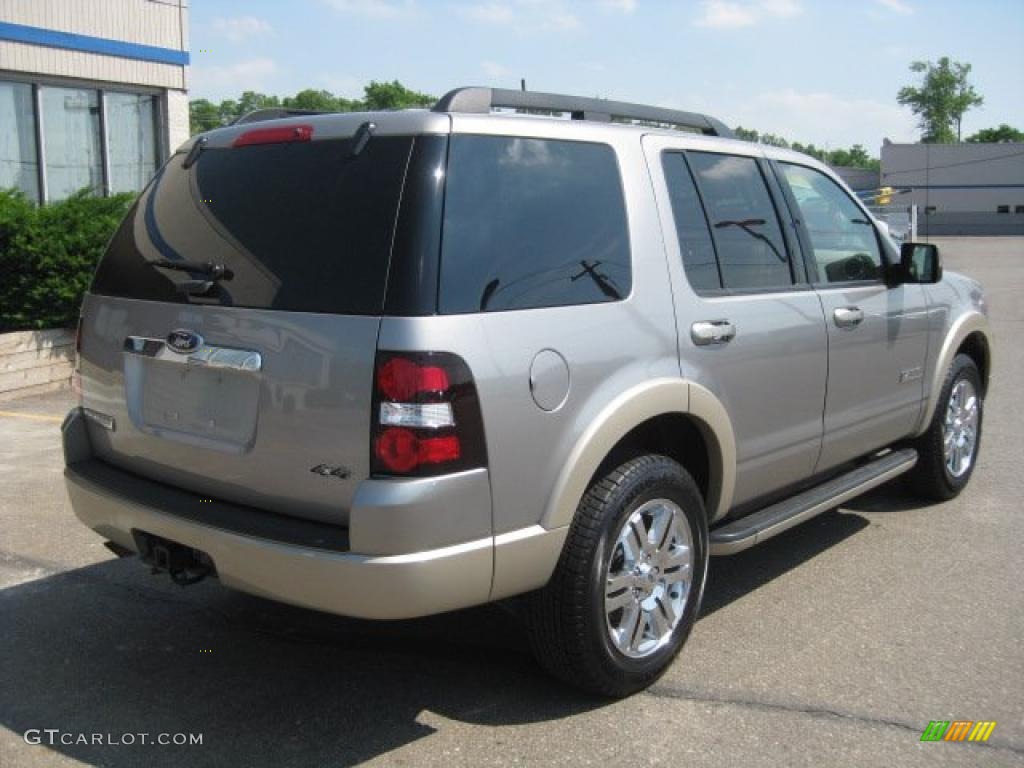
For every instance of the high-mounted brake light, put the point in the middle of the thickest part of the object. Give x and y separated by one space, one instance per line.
426 415
278 135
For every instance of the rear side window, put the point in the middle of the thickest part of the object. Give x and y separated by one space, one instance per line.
532 223
695 245
751 249
301 226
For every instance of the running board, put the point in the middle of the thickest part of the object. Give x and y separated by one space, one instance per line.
762 525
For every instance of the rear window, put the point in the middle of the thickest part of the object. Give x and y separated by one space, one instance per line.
301 226
532 223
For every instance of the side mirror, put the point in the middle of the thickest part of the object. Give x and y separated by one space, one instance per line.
919 263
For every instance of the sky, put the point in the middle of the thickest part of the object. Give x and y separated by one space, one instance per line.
816 71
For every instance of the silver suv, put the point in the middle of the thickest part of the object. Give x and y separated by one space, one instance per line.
393 364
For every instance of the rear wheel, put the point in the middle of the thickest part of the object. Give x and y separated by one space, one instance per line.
627 588
948 451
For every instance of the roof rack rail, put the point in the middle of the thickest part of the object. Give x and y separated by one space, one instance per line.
275 113
479 100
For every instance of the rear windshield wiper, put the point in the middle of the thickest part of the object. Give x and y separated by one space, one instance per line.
206 268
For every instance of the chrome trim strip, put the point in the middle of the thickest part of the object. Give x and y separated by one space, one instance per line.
209 356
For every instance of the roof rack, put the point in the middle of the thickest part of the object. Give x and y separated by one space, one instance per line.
477 100
274 113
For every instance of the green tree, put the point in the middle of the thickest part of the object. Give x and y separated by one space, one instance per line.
1003 133
322 101
746 134
941 100
203 115
394 95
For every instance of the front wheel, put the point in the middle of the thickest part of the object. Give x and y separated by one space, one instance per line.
627 588
948 451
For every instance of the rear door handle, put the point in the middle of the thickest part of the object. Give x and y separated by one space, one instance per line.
710 332
848 317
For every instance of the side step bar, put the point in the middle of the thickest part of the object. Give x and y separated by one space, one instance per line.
761 525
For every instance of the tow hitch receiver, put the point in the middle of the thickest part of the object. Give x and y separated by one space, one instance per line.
184 564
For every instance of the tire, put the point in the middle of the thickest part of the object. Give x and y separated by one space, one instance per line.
932 477
569 624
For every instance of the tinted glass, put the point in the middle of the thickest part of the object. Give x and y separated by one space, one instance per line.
131 140
751 249
18 165
695 243
532 223
842 237
302 226
71 140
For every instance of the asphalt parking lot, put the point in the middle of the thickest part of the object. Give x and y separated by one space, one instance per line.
833 644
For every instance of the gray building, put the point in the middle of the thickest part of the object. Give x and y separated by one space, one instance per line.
93 93
959 189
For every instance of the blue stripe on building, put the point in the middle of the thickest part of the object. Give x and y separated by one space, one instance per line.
51 38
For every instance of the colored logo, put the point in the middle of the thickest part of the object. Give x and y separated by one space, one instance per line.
183 341
958 730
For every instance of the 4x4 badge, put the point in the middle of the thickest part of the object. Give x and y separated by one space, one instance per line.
184 342
325 470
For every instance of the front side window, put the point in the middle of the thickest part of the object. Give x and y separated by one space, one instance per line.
532 223
18 165
842 236
751 249
71 141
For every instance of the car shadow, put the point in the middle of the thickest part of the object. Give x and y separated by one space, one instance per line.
106 649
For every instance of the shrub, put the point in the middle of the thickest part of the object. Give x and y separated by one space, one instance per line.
48 255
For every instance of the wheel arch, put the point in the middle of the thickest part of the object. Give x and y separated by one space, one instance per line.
643 418
970 335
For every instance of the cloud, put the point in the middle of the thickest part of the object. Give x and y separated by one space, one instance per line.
488 13
624 6
239 28
493 69
232 79
822 118
724 14
522 15
896 6
373 9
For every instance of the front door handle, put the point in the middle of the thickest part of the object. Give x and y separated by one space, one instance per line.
712 332
848 317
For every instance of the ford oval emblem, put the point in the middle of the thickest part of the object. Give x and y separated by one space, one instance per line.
184 342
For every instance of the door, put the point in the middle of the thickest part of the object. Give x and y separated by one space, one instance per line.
877 335
750 328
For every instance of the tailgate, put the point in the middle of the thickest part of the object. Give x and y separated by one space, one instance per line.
232 326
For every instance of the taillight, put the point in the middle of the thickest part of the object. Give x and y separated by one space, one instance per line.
277 135
426 415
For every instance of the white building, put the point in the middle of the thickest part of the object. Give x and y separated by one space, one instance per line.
93 93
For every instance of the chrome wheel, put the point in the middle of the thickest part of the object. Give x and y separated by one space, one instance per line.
960 428
648 578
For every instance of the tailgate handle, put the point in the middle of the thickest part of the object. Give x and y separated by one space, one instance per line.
207 355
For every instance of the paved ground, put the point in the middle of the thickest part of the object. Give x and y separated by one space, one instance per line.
834 644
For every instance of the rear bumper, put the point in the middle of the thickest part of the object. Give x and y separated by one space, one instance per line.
295 566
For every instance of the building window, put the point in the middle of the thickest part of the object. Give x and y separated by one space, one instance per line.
1019 209
1002 209
131 140
71 141
103 141
19 166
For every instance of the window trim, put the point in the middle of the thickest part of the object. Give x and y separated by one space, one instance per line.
795 284
810 262
453 138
